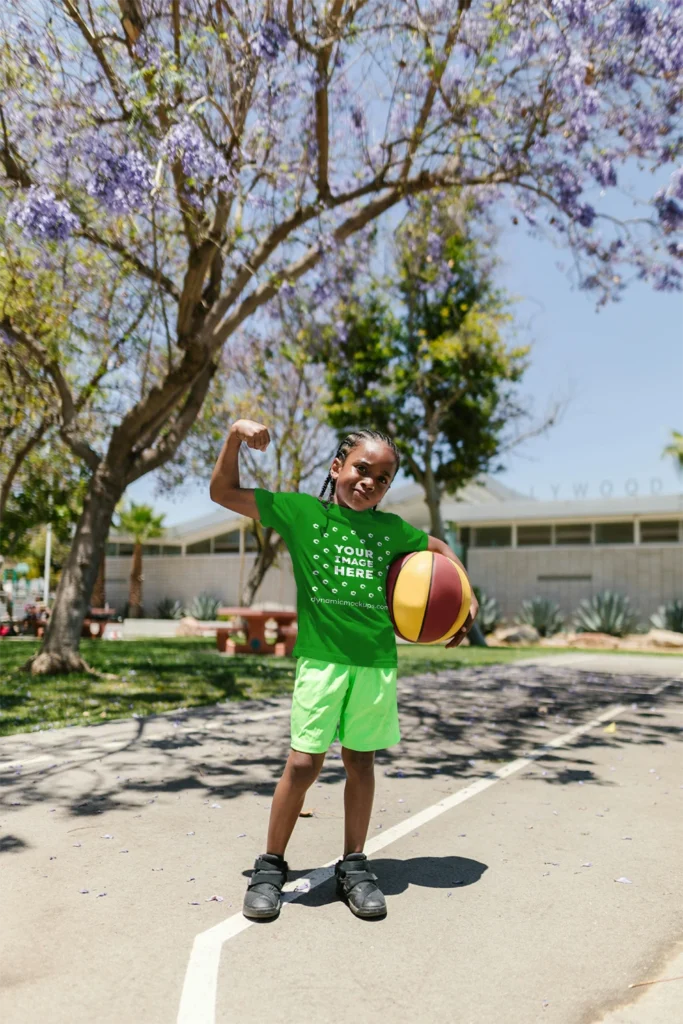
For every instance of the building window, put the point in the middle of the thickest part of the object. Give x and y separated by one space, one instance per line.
531 536
227 542
464 535
614 533
493 537
202 547
125 549
112 549
170 549
573 533
659 531
151 549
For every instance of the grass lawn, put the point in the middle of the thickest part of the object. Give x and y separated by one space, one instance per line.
161 675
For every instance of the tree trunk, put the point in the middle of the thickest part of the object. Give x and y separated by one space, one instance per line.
99 593
135 591
433 499
266 556
437 529
59 650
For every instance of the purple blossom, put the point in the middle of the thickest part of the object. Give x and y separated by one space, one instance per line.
270 39
585 215
199 159
669 212
42 216
603 171
123 183
636 19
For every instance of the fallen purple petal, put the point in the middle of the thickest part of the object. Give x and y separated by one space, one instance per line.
627 881
241 835
106 836
216 899
84 890
189 833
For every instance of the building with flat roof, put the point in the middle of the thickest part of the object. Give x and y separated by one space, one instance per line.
515 547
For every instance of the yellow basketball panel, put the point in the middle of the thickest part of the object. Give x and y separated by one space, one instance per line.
410 595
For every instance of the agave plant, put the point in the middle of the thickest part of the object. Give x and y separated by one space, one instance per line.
489 611
669 616
204 607
606 612
169 609
543 614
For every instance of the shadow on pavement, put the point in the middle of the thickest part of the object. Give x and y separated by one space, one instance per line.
456 724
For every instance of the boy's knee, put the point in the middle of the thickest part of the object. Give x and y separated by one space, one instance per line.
358 762
304 768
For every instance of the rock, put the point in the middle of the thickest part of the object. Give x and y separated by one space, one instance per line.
516 635
189 627
600 640
664 638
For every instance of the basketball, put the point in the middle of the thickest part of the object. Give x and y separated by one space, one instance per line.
429 597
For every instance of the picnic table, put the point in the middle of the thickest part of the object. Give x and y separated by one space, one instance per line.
255 624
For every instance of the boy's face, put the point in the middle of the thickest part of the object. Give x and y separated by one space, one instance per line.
365 477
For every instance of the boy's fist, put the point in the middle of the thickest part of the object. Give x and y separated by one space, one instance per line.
255 435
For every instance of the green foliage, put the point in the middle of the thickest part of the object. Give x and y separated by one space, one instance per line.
543 614
606 612
204 607
489 611
51 490
139 522
675 449
669 616
424 358
170 609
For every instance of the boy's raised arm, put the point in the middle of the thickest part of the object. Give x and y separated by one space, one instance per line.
225 488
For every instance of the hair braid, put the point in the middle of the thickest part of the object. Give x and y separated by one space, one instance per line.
351 441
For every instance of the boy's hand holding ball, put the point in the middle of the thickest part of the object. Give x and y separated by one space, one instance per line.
254 434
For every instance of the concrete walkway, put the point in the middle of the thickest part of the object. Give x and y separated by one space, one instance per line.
526 881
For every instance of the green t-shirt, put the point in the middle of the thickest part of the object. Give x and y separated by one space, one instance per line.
340 559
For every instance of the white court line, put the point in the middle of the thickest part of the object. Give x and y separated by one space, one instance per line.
198 997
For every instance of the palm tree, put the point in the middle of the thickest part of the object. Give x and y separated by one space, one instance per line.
141 524
675 449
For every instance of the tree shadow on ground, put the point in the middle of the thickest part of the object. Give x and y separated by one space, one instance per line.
457 724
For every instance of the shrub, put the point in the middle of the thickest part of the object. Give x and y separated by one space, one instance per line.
669 616
489 611
169 609
543 614
204 607
606 612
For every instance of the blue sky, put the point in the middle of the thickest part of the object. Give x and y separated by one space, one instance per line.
620 371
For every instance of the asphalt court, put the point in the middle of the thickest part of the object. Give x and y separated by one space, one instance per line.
479 924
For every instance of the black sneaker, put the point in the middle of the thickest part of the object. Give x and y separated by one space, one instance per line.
357 886
262 898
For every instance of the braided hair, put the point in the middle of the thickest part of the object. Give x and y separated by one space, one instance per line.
351 441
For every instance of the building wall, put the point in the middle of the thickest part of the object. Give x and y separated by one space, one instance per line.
648 575
184 577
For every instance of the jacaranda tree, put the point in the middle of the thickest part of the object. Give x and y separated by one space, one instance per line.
219 151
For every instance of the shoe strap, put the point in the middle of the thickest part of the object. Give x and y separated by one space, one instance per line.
352 878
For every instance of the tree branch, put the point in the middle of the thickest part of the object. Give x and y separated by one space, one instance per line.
67 426
21 455
152 458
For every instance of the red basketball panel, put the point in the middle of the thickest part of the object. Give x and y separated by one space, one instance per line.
392 576
445 599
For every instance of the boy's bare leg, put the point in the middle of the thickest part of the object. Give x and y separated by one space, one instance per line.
300 773
359 793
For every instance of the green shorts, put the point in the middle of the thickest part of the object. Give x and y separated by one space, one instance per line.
358 701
